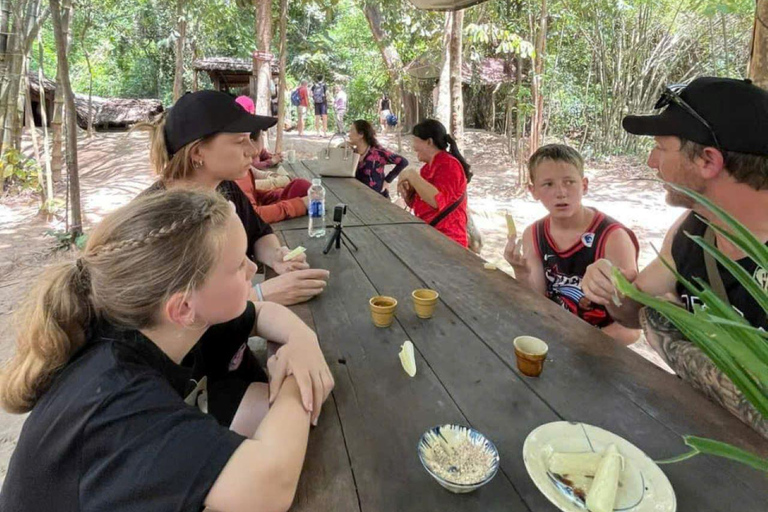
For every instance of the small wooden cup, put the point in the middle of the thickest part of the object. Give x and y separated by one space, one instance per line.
530 353
424 302
382 310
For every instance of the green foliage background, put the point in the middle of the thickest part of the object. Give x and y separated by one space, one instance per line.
131 45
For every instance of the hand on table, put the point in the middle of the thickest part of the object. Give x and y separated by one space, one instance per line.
302 358
283 267
295 287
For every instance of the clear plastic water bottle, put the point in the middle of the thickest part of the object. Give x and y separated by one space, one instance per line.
316 209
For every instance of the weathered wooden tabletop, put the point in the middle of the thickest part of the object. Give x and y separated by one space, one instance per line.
362 456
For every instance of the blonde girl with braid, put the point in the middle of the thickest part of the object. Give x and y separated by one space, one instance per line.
97 367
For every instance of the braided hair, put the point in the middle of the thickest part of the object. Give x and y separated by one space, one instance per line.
140 255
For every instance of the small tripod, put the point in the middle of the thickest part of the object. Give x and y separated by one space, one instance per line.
339 236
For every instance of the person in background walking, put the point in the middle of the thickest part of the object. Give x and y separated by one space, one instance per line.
319 97
340 106
385 109
303 105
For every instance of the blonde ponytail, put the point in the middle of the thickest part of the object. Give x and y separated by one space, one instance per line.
136 258
169 168
51 327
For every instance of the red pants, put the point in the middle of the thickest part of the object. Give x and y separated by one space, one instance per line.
296 188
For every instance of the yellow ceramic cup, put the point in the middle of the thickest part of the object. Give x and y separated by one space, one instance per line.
424 302
382 310
530 353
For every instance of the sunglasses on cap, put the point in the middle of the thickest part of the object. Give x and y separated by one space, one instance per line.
671 94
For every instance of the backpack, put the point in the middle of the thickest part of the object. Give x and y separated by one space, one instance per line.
295 99
318 93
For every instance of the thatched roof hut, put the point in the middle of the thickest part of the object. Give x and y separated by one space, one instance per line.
489 71
111 113
229 73
108 113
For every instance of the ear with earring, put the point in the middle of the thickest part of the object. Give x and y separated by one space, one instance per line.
197 164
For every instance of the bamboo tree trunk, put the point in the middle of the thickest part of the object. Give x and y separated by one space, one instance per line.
261 67
89 112
457 102
181 27
73 177
443 111
519 125
11 76
30 122
195 78
536 82
282 87
5 18
44 122
57 131
758 59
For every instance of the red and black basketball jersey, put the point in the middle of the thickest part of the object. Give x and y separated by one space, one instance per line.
564 269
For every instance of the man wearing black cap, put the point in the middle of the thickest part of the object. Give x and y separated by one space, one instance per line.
710 138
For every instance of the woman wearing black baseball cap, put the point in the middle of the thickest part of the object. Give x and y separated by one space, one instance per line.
204 142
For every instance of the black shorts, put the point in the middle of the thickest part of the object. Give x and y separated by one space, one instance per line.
321 109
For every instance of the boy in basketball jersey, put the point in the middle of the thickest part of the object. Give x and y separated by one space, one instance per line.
555 251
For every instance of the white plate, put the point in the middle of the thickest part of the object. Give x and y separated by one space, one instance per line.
644 487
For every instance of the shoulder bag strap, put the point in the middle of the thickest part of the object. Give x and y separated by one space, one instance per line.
713 274
443 214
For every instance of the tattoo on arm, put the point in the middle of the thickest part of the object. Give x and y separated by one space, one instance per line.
697 369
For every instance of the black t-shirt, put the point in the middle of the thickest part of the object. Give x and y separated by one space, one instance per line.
689 261
113 434
222 355
255 227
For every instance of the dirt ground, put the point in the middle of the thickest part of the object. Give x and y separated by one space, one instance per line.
114 168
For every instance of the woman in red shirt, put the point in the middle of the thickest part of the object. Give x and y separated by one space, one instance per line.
438 192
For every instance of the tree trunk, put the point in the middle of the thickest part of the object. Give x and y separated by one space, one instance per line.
758 60
443 112
44 122
73 177
89 114
522 178
57 130
5 19
27 22
393 63
536 83
194 57
181 28
281 88
261 68
11 77
457 101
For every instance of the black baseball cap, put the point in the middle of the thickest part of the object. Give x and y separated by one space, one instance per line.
201 114
736 110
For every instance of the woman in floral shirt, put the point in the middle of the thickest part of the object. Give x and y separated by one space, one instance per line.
373 158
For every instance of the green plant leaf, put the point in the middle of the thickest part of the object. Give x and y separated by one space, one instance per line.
728 451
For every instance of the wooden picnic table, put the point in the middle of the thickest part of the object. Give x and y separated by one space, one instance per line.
362 456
